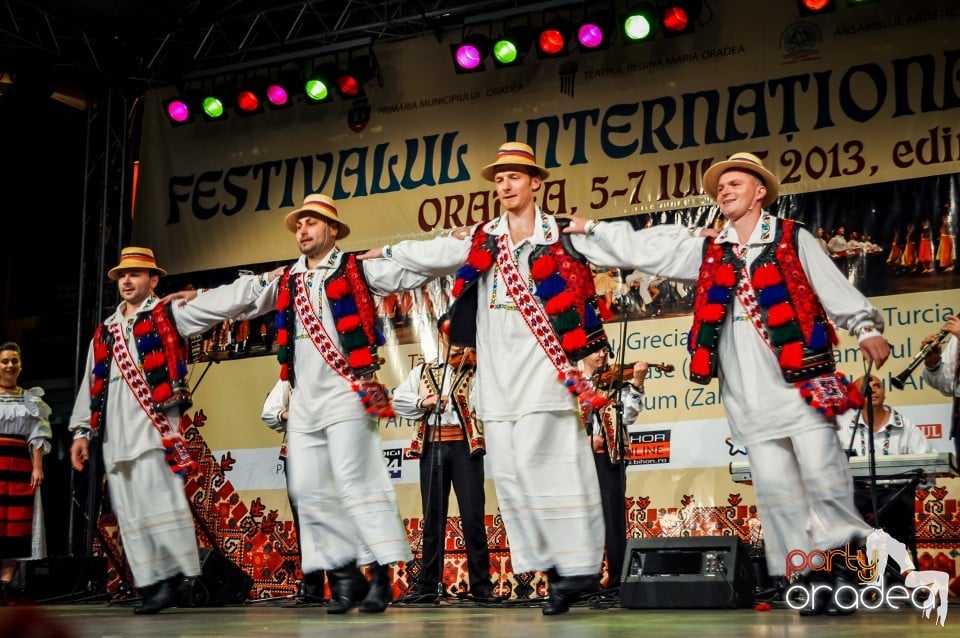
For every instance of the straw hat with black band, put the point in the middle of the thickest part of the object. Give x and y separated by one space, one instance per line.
514 154
135 258
317 205
743 162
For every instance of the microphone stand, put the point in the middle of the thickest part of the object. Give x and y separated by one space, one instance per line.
867 393
618 438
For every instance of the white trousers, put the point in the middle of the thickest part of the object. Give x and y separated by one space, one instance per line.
156 524
345 502
804 495
548 493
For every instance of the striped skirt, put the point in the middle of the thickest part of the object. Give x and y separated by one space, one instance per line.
16 498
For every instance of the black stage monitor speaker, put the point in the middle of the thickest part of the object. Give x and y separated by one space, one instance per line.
220 582
58 576
689 572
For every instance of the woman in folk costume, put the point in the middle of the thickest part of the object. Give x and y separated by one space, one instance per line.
766 296
535 317
24 439
132 395
945 248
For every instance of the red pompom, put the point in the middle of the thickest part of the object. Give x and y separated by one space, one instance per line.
574 340
700 362
725 276
605 313
348 323
791 356
713 312
100 351
480 259
854 396
97 387
282 336
361 358
832 334
559 303
598 402
283 299
284 372
780 314
458 288
765 276
154 361
542 267
143 328
337 288
162 392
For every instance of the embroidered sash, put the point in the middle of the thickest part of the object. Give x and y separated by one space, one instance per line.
175 449
536 320
372 394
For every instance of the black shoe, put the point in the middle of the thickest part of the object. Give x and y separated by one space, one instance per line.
381 593
565 590
420 594
843 599
348 586
169 593
556 604
822 585
485 595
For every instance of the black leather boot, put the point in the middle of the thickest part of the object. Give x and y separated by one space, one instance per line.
381 590
845 596
313 584
168 593
348 586
819 585
566 590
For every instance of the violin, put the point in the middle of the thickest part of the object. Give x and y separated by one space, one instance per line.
465 359
622 373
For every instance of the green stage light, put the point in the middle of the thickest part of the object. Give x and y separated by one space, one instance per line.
640 22
213 107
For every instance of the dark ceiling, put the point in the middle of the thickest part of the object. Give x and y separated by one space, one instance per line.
154 43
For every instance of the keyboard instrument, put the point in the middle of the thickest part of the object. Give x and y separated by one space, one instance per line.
932 465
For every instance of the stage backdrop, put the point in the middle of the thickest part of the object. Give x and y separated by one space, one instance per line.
846 100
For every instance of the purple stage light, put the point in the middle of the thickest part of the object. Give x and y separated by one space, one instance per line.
178 111
277 95
468 57
590 35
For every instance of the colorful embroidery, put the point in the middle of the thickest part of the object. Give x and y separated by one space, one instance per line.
788 316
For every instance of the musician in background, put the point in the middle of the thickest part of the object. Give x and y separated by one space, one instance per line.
451 446
941 371
893 433
610 447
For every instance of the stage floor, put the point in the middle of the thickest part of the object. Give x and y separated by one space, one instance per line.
452 620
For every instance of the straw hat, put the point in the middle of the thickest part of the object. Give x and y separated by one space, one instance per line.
319 206
514 154
744 162
135 258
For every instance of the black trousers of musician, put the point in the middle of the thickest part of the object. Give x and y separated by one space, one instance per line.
443 466
613 501
898 519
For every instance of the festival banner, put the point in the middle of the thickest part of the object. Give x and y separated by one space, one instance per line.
858 96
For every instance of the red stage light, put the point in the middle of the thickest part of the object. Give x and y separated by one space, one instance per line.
348 85
675 19
815 5
551 41
247 101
